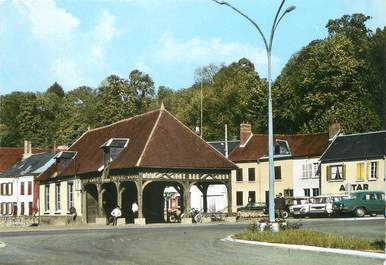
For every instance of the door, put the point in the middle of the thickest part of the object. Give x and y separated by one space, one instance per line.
92 208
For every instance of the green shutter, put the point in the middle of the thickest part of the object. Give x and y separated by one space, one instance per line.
328 173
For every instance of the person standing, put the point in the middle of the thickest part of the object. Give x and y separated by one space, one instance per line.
115 214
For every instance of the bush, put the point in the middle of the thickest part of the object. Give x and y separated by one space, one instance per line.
311 238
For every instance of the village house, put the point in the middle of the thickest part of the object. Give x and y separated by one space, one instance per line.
354 162
131 161
18 188
295 161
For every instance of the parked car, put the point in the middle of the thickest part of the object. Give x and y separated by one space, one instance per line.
252 210
297 206
362 202
323 204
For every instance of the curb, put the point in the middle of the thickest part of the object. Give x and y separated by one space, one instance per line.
357 253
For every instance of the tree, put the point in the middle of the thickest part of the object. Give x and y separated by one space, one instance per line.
79 112
141 86
57 89
330 79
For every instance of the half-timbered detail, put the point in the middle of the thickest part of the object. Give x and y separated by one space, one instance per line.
133 161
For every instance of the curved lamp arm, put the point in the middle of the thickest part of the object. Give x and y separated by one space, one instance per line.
249 19
289 9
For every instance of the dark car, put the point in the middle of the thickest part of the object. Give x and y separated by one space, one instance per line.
254 206
361 203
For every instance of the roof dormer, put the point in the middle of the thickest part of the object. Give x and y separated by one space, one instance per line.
64 158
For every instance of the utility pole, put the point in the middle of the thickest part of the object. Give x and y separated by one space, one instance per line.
201 99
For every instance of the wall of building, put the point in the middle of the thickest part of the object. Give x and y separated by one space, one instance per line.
261 183
351 183
61 215
216 198
302 181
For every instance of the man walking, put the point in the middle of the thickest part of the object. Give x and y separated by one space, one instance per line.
115 214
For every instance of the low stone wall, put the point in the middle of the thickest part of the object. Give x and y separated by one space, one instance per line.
11 221
60 220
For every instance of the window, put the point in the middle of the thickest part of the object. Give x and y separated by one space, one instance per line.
373 170
239 174
70 195
30 208
239 198
278 173
47 198
64 158
307 170
57 197
29 187
288 193
251 174
307 192
6 189
315 192
336 173
21 188
360 174
252 196
22 208
316 169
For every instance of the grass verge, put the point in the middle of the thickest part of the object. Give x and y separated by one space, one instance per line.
310 237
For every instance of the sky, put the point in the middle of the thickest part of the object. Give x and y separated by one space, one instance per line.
81 42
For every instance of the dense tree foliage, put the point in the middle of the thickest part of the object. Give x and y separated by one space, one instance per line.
341 77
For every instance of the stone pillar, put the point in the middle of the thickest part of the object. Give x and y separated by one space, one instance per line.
203 187
186 199
83 209
100 200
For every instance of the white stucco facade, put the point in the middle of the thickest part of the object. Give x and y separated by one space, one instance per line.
17 196
216 198
306 181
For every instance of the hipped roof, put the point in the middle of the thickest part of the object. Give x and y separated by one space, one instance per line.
301 145
156 140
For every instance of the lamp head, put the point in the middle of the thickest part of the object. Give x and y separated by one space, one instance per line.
219 2
290 8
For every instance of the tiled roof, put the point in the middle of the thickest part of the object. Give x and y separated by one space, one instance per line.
30 166
10 155
356 146
156 140
301 145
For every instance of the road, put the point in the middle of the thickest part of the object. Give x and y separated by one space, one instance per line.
171 244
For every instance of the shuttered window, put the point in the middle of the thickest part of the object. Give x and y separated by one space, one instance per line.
29 187
251 174
239 174
336 172
21 188
360 171
278 173
239 198
372 169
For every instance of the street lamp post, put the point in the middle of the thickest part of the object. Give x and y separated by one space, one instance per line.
268 48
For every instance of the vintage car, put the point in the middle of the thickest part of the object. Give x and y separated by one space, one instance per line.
296 206
252 210
361 203
318 205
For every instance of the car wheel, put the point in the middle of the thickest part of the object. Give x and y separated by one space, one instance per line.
172 219
360 212
284 214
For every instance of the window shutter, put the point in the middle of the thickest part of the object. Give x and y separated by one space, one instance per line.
343 171
328 172
359 171
367 170
376 169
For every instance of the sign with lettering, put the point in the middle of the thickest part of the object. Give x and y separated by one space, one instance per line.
355 187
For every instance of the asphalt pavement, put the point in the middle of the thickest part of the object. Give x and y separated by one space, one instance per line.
171 244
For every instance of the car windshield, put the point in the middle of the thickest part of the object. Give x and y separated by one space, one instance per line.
299 201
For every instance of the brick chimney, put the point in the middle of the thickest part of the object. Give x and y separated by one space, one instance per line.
245 133
333 129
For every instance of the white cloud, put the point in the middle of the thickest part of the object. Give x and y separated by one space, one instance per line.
103 33
204 51
66 72
49 23
143 67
